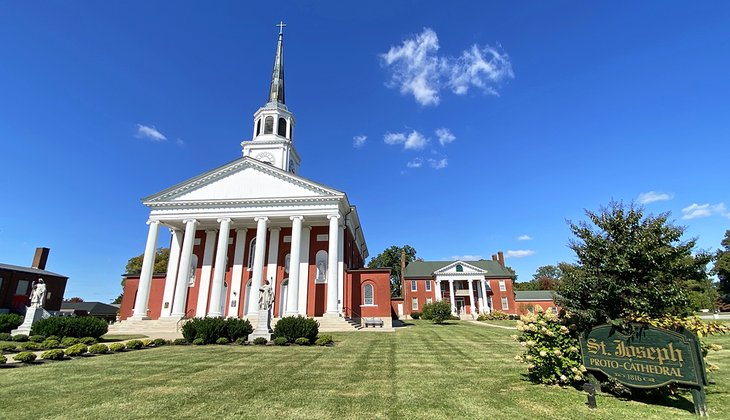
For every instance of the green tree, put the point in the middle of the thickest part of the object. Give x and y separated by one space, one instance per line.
390 257
722 268
628 263
546 277
73 300
134 266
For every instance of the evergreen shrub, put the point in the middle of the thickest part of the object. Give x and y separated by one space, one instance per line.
69 341
49 344
76 350
159 342
37 338
180 342
324 340
6 337
71 326
117 347
20 338
134 344
222 340
3 359
25 357
439 311
147 342
8 348
415 315
493 316
293 327
241 341
30 346
89 341
281 341
98 348
302 341
260 341
199 342
211 329
9 322
54 354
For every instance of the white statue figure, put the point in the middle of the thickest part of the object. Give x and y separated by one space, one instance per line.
38 295
266 296
321 264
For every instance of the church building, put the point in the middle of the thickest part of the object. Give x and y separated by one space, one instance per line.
254 220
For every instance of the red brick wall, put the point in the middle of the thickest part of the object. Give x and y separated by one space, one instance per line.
421 294
17 303
355 281
522 306
497 296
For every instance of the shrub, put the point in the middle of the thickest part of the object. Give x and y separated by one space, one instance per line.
30 346
134 344
49 344
222 340
69 341
117 347
493 316
37 338
281 341
53 337
324 340
5 336
98 349
9 322
439 311
302 341
148 342
260 341
211 329
25 357
76 350
20 338
8 347
241 341
199 342
159 342
71 326
3 359
180 342
55 354
415 315
427 311
89 341
293 327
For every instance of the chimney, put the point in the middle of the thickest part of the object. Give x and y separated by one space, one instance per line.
494 257
501 258
40 258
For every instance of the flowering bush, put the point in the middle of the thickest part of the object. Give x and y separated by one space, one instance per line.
552 350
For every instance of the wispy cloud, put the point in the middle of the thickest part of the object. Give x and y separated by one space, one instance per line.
696 211
179 142
652 196
417 69
412 141
415 163
524 238
151 133
359 141
438 163
466 257
445 136
519 253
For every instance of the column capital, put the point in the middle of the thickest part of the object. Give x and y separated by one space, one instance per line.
186 221
296 217
242 229
225 219
309 228
210 231
259 218
451 280
275 229
333 216
153 222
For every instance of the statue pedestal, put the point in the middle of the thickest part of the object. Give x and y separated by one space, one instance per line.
263 326
31 316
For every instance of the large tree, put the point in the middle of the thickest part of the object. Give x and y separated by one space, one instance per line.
722 268
629 263
391 258
134 266
546 277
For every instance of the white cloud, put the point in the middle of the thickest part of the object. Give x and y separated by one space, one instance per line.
445 136
415 163
466 257
179 142
359 141
438 163
147 132
417 69
413 141
652 196
519 253
524 238
695 211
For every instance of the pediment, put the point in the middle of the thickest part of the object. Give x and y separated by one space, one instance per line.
241 180
467 268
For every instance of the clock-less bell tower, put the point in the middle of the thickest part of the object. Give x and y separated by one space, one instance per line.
273 126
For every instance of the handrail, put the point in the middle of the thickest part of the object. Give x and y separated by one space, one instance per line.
354 312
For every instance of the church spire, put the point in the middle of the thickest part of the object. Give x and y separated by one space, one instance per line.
276 92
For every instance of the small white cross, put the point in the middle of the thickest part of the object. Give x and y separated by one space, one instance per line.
281 26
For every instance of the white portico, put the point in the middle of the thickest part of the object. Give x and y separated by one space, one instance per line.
462 280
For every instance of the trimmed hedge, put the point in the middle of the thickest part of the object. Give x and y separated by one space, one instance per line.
260 341
25 357
3 359
6 337
211 329
324 340
147 342
117 347
293 327
281 341
98 349
159 342
8 347
37 338
9 322
71 326
55 354
135 344
180 342
302 341
30 346
49 344
76 350
20 338
69 341
89 341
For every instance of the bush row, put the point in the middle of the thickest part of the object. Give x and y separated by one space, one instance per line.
9 322
292 328
209 330
71 326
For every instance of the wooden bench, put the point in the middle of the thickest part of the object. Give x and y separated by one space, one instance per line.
373 322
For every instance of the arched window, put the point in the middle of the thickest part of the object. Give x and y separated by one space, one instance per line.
281 130
193 269
251 253
459 268
368 295
258 127
269 125
245 297
321 262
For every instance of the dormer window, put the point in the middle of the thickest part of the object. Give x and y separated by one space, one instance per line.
281 130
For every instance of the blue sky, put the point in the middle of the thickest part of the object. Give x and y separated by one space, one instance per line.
460 130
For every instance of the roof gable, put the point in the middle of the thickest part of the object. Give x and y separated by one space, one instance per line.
466 268
491 268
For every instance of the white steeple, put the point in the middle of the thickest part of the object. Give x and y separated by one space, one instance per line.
273 124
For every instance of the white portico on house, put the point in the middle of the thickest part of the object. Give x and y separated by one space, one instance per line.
249 221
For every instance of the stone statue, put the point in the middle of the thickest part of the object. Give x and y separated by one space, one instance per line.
321 270
38 295
266 296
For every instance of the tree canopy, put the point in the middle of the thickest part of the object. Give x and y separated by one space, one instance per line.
629 263
546 277
722 268
390 257
73 300
134 265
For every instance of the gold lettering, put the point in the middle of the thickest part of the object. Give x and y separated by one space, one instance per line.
592 346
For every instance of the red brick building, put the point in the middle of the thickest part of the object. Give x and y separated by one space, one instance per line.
528 300
16 284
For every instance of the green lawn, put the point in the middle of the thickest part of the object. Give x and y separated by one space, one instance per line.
421 371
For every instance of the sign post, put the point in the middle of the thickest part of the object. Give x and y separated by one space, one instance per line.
649 357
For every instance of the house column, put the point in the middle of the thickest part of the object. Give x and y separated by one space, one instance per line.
292 298
272 259
332 265
484 297
171 277
340 268
439 293
258 265
451 296
183 272
237 273
205 271
472 302
221 261
304 270
145 276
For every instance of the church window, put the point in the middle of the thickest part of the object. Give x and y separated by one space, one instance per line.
321 262
428 285
502 286
505 303
281 130
414 304
269 125
459 268
414 286
368 295
193 270
251 253
22 288
258 127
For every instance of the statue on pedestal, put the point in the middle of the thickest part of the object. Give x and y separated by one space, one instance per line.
38 295
35 311
263 321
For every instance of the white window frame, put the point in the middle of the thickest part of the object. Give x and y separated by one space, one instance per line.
502 286
365 295
428 285
505 302
251 254
429 301
414 286
414 304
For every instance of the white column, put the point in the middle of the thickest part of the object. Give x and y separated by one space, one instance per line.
439 295
304 270
484 296
472 302
451 296
292 299
171 277
272 259
221 258
183 272
206 269
237 273
258 265
340 268
145 276
332 265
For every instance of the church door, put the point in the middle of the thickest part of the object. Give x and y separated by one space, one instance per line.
283 297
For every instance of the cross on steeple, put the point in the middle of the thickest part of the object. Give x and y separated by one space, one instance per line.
281 26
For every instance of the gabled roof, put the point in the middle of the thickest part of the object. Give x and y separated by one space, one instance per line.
93 308
30 270
427 268
534 295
